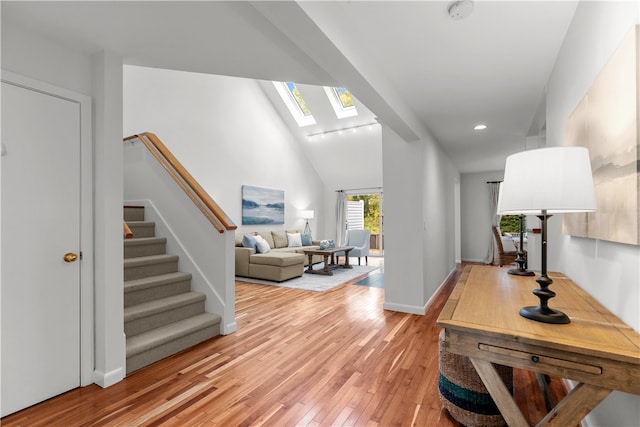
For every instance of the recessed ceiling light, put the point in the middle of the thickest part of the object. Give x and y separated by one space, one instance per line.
480 127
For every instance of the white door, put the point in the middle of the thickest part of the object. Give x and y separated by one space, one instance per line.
40 224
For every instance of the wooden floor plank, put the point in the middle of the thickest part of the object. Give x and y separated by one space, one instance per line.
298 358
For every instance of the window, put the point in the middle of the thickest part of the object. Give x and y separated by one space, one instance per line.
344 97
341 101
296 104
511 224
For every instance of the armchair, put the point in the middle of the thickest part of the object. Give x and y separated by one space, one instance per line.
504 257
359 239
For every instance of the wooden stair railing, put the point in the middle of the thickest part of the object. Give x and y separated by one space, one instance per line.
128 234
218 218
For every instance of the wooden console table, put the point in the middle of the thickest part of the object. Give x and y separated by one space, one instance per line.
596 349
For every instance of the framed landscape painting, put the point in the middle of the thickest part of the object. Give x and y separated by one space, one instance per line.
262 205
606 122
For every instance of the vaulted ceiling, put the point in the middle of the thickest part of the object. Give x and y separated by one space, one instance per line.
412 66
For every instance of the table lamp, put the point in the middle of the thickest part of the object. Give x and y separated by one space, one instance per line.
520 259
307 214
543 182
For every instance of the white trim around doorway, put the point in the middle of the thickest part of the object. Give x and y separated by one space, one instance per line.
86 213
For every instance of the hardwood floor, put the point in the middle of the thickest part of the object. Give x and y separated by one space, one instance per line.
298 358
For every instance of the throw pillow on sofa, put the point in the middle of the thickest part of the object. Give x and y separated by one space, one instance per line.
295 240
249 242
306 239
262 245
266 235
280 239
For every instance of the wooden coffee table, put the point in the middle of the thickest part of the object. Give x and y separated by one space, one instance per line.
328 264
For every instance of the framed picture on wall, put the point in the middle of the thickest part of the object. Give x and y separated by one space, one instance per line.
262 205
606 122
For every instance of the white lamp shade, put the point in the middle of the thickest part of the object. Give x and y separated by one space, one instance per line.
557 180
306 214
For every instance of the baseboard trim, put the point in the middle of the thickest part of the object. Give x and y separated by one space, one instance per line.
108 379
229 328
437 292
474 260
411 309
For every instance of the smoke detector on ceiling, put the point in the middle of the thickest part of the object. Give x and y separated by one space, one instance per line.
460 9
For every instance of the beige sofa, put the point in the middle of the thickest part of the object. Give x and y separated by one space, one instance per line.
281 263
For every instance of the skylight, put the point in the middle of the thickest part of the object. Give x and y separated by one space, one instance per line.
296 104
341 101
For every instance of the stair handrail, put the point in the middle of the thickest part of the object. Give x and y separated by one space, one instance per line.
220 220
128 234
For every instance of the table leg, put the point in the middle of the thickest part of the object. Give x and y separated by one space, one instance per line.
575 406
326 265
346 259
310 266
499 392
568 412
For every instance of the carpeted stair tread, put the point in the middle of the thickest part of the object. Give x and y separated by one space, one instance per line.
149 266
144 246
149 260
133 213
146 341
141 223
142 228
162 316
153 281
141 241
163 304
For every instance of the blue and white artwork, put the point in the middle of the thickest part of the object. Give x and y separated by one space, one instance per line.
262 205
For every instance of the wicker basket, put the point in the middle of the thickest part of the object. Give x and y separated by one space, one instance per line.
462 392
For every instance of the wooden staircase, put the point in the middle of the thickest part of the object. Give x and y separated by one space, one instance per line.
162 316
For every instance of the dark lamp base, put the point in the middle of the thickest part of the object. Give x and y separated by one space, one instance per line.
547 315
518 272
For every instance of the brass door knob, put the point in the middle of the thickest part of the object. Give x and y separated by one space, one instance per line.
70 257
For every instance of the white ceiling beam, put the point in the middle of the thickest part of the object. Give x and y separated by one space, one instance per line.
294 23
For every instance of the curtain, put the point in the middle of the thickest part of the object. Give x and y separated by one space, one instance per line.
494 190
341 218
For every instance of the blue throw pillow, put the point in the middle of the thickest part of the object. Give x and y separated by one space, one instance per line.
249 242
306 239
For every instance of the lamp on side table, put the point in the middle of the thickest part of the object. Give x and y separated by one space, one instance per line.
543 182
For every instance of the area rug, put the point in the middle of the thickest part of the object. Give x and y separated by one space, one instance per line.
317 282
375 280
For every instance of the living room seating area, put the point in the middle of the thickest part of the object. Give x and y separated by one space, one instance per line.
276 255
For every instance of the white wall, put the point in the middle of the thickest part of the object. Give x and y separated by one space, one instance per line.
420 238
475 221
439 239
350 162
26 53
226 133
98 76
108 197
404 223
610 272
